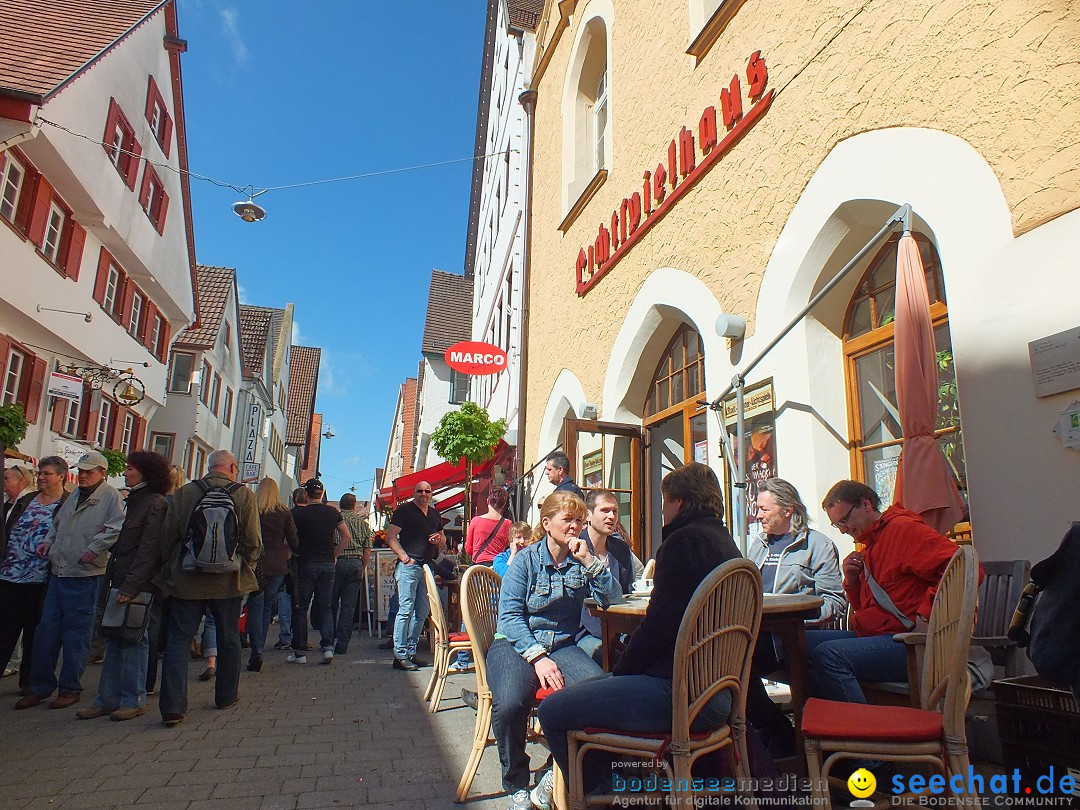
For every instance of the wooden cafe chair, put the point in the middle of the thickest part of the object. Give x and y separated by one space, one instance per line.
713 652
444 643
934 732
650 569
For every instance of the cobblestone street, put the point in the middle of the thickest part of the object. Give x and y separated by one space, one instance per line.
354 734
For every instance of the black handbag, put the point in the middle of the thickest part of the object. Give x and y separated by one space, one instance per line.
126 622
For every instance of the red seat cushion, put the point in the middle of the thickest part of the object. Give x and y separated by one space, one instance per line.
543 692
645 735
459 636
855 721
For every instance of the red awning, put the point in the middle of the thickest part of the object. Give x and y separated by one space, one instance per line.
451 502
440 476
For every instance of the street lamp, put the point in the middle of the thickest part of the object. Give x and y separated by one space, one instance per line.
329 433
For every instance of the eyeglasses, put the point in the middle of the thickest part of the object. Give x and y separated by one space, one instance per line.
842 522
422 491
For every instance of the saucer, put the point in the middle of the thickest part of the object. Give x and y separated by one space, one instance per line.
641 593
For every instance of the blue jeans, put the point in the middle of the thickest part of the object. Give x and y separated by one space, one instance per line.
184 617
267 600
637 703
412 610
347 578
316 587
123 675
839 660
256 632
284 611
513 684
67 621
209 635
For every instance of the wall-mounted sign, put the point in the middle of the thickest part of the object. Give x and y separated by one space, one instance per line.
252 427
1055 362
685 164
475 358
65 386
252 472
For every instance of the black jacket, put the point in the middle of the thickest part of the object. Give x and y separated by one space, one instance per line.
693 545
136 553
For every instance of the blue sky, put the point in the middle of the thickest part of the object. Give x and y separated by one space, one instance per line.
279 93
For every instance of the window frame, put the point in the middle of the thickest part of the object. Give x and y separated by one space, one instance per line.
53 250
125 155
226 412
186 391
127 435
157 116
106 416
206 372
9 396
170 441
10 160
456 378
215 394
153 198
136 314
73 417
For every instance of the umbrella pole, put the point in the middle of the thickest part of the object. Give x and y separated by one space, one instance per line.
740 486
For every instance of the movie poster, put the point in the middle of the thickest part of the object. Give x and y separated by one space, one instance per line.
759 444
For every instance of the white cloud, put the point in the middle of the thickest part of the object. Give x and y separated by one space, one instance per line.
298 338
229 19
327 385
352 460
241 291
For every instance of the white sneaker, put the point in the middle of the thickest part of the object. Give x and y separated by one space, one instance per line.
328 656
460 666
520 801
541 794
296 659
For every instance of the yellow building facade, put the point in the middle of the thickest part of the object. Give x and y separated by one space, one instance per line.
645 238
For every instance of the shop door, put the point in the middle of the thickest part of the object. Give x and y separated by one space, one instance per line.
608 455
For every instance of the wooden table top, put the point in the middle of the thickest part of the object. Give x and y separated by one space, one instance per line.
773 604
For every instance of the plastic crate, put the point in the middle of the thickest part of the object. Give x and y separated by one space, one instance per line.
1039 726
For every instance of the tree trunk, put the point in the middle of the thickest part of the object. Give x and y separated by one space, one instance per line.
467 510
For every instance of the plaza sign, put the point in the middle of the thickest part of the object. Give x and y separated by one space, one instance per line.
686 163
475 358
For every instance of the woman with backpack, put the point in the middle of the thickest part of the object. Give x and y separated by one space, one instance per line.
135 560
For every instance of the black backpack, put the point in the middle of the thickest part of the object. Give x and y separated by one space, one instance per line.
213 531
1053 635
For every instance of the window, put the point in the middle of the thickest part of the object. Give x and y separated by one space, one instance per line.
112 289
129 433
157 115
196 460
103 429
135 321
54 230
162 444
11 184
13 380
205 379
153 199
183 366
599 119
226 413
459 387
876 436
156 332
120 144
215 394
586 114
227 335
70 425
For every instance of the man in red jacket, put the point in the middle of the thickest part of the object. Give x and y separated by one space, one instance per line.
890 580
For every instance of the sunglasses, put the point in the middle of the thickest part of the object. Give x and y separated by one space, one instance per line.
842 522
421 491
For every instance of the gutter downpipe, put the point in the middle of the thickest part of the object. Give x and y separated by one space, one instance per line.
901 216
527 99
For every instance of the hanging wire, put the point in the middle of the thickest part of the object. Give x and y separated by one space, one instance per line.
251 191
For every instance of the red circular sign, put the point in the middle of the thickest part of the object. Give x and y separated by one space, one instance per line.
476 358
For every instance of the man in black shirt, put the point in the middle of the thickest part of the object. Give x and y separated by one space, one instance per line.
316 525
415 535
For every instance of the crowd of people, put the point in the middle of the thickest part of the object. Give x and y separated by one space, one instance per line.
547 644
138 571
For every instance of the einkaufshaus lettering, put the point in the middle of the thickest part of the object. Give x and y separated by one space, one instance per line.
686 161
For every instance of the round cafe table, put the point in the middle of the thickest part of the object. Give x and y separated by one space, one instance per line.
783 615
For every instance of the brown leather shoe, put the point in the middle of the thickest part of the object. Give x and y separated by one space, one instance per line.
65 699
127 713
29 700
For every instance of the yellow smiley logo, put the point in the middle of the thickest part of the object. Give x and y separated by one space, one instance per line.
861 783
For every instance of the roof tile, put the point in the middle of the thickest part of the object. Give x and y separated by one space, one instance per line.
525 13
303 385
449 312
254 333
215 285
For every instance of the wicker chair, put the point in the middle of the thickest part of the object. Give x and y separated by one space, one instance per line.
712 653
934 732
445 644
650 569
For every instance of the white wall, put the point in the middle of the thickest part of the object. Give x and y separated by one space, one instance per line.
434 404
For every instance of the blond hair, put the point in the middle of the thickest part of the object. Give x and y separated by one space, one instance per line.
561 500
268 497
521 529
177 477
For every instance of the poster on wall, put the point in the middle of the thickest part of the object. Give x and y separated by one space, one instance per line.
885 479
759 444
385 583
592 469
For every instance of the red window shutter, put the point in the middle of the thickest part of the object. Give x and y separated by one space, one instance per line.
59 414
37 386
5 350
163 349
166 135
163 210
144 192
125 309
110 126
26 199
146 330
89 413
102 281
73 260
116 432
39 214
138 437
151 95
132 171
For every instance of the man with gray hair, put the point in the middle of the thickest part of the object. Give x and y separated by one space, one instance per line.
217 506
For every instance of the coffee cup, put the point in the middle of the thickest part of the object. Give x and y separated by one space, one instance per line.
642 585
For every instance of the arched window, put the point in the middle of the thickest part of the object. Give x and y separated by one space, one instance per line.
874 421
587 111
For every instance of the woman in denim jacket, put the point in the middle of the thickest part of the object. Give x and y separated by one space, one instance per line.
539 612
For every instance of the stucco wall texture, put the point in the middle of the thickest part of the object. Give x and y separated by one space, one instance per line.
1004 75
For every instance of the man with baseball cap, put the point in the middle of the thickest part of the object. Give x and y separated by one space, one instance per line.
77 545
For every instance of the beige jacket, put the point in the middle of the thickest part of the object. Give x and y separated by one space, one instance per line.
91 525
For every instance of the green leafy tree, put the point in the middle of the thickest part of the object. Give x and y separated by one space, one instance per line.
467 433
117 461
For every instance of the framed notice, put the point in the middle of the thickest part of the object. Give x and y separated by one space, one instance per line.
385 583
759 440
592 469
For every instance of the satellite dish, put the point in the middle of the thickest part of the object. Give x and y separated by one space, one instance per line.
249 211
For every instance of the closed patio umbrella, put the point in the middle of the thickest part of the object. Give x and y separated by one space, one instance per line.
924 481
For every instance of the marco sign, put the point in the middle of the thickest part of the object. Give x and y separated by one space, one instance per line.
475 358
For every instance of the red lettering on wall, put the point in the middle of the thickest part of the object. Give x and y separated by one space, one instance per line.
615 230
659 183
757 75
731 103
582 266
602 246
672 166
646 193
707 130
635 212
687 156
